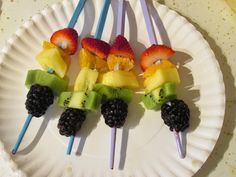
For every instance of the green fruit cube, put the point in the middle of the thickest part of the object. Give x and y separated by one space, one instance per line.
160 95
108 92
64 99
40 77
84 100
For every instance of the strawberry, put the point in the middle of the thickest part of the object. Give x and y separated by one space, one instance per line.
153 54
96 46
67 39
121 47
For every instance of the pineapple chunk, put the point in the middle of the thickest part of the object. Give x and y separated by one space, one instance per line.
64 55
120 79
100 77
86 79
48 45
160 77
162 65
51 58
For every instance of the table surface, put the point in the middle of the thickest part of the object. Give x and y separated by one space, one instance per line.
214 19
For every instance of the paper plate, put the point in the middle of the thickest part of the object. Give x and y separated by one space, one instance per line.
145 146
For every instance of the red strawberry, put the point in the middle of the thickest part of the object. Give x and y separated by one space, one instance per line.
122 48
154 53
96 46
67 39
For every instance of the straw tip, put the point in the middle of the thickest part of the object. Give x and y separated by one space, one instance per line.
182 156
68 153
13 152
111 165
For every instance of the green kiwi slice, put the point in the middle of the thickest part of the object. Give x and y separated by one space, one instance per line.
64 99
157 97
108 92
40 77
80 100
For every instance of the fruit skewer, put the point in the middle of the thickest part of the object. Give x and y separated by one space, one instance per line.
41 91
83 99
119 31
161 79
115 83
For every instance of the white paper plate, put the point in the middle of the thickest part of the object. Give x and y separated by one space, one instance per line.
148 147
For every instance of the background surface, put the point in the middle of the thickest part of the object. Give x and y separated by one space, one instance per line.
213 18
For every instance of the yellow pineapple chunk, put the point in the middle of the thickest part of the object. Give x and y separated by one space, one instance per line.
160 77
64 55
48 45
124 63
100 77
86 79
162 65
51 58
120 79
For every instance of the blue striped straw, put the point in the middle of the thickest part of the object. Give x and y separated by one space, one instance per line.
98 34
71 24
102 19
76 14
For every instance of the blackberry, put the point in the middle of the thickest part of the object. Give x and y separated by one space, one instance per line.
175 114
39 98
70 121
114 112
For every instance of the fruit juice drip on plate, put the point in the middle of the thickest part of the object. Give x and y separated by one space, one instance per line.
54 59
116 85
92 61
161 77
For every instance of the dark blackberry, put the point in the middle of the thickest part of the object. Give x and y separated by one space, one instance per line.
176 114
114 112
70 121
39 98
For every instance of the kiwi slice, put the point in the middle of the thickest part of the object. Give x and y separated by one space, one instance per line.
85 100
40 77
157 97
78 100
93 101
169 90
149 102
64 99
108 93
125 94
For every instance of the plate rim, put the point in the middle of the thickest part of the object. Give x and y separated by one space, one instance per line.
9 42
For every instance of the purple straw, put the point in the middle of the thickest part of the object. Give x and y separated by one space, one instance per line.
119 31
153 40
120 18
179 145
113 147
148 22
